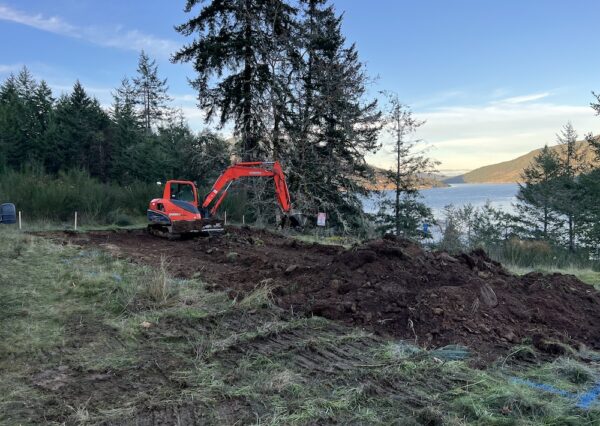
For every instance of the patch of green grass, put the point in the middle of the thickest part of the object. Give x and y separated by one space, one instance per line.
333 240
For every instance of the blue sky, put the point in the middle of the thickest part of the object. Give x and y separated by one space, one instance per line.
493 79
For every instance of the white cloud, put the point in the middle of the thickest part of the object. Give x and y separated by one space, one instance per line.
438 98
52 24
525 98
185 98
467 137
107 36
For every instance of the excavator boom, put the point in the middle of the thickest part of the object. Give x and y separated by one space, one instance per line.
249 169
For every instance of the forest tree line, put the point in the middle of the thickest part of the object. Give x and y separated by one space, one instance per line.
133 140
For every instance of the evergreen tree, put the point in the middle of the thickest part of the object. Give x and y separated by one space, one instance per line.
490 227
588 229
10 107
537 197
236 42
341 125
127 134
81 134
152 97
27 107
405 213
572 164
596 105
451 231
205 156
43 105
171 139
24 151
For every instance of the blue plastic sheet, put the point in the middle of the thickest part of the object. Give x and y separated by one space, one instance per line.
583 400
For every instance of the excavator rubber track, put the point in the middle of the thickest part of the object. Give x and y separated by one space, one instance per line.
184 228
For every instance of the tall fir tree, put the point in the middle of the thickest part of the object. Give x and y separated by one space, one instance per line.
337 124
43 105
151 90
127 134
26 108
405 213
573 162
538 198
10 107
235 44
80 134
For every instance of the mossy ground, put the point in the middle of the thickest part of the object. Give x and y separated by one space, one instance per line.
88 338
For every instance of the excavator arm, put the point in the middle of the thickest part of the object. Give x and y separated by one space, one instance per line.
249 169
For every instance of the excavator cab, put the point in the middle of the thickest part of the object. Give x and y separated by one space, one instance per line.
183 191
176 213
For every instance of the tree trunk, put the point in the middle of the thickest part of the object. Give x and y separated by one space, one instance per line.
545 222
571 234
398 165
247 134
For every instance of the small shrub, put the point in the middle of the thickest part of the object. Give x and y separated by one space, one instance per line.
119 218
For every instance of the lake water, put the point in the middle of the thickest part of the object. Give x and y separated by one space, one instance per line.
501 195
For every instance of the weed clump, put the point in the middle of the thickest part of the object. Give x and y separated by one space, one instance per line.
153 288
261 297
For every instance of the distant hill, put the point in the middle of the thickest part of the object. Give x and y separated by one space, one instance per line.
508 171
427 181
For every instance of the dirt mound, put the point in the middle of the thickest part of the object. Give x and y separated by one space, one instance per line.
390 286
436 299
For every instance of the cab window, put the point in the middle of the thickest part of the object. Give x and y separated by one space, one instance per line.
183 192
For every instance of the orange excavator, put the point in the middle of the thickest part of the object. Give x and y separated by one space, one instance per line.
180 213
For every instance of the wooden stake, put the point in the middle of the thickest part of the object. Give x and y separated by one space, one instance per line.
225 218
20 220
243 219
75 226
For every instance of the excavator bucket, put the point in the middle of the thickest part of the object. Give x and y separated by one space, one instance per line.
293 220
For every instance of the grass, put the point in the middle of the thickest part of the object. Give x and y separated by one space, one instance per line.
87 338
334 240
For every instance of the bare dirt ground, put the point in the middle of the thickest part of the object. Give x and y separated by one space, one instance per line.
388 286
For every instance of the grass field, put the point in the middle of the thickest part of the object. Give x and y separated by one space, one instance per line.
88 338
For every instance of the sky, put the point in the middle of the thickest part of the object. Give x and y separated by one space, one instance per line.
492 79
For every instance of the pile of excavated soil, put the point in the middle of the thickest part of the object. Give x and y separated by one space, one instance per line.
401 290
390 286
